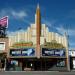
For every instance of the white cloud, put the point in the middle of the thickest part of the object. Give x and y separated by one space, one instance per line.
13 13
47 22
60 29
71 32
20 14
11 33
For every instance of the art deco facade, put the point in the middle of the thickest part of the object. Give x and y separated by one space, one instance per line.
38 36
36 33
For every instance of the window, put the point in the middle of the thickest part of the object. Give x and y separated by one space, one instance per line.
60 63
2 46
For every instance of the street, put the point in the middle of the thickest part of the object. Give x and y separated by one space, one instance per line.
37 73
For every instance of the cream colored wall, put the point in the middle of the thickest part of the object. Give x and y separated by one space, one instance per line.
57 37
30 35
64 41
11 40
49 37
42 40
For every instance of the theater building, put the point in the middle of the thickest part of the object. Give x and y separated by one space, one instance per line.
37 49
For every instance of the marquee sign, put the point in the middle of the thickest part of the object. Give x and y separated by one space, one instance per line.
53 52
4 21
22 52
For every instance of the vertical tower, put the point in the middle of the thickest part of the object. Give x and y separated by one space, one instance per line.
38 30
67 53
38 24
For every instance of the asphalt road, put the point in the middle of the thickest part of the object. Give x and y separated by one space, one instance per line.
37 73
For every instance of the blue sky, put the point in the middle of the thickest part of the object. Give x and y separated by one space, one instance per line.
58 15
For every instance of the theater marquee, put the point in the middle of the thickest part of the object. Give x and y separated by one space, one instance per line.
53 52
22 52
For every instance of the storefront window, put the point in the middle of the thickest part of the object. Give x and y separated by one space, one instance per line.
60 63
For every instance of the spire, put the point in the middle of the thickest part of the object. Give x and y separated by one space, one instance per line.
38 30
38 6
38 24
